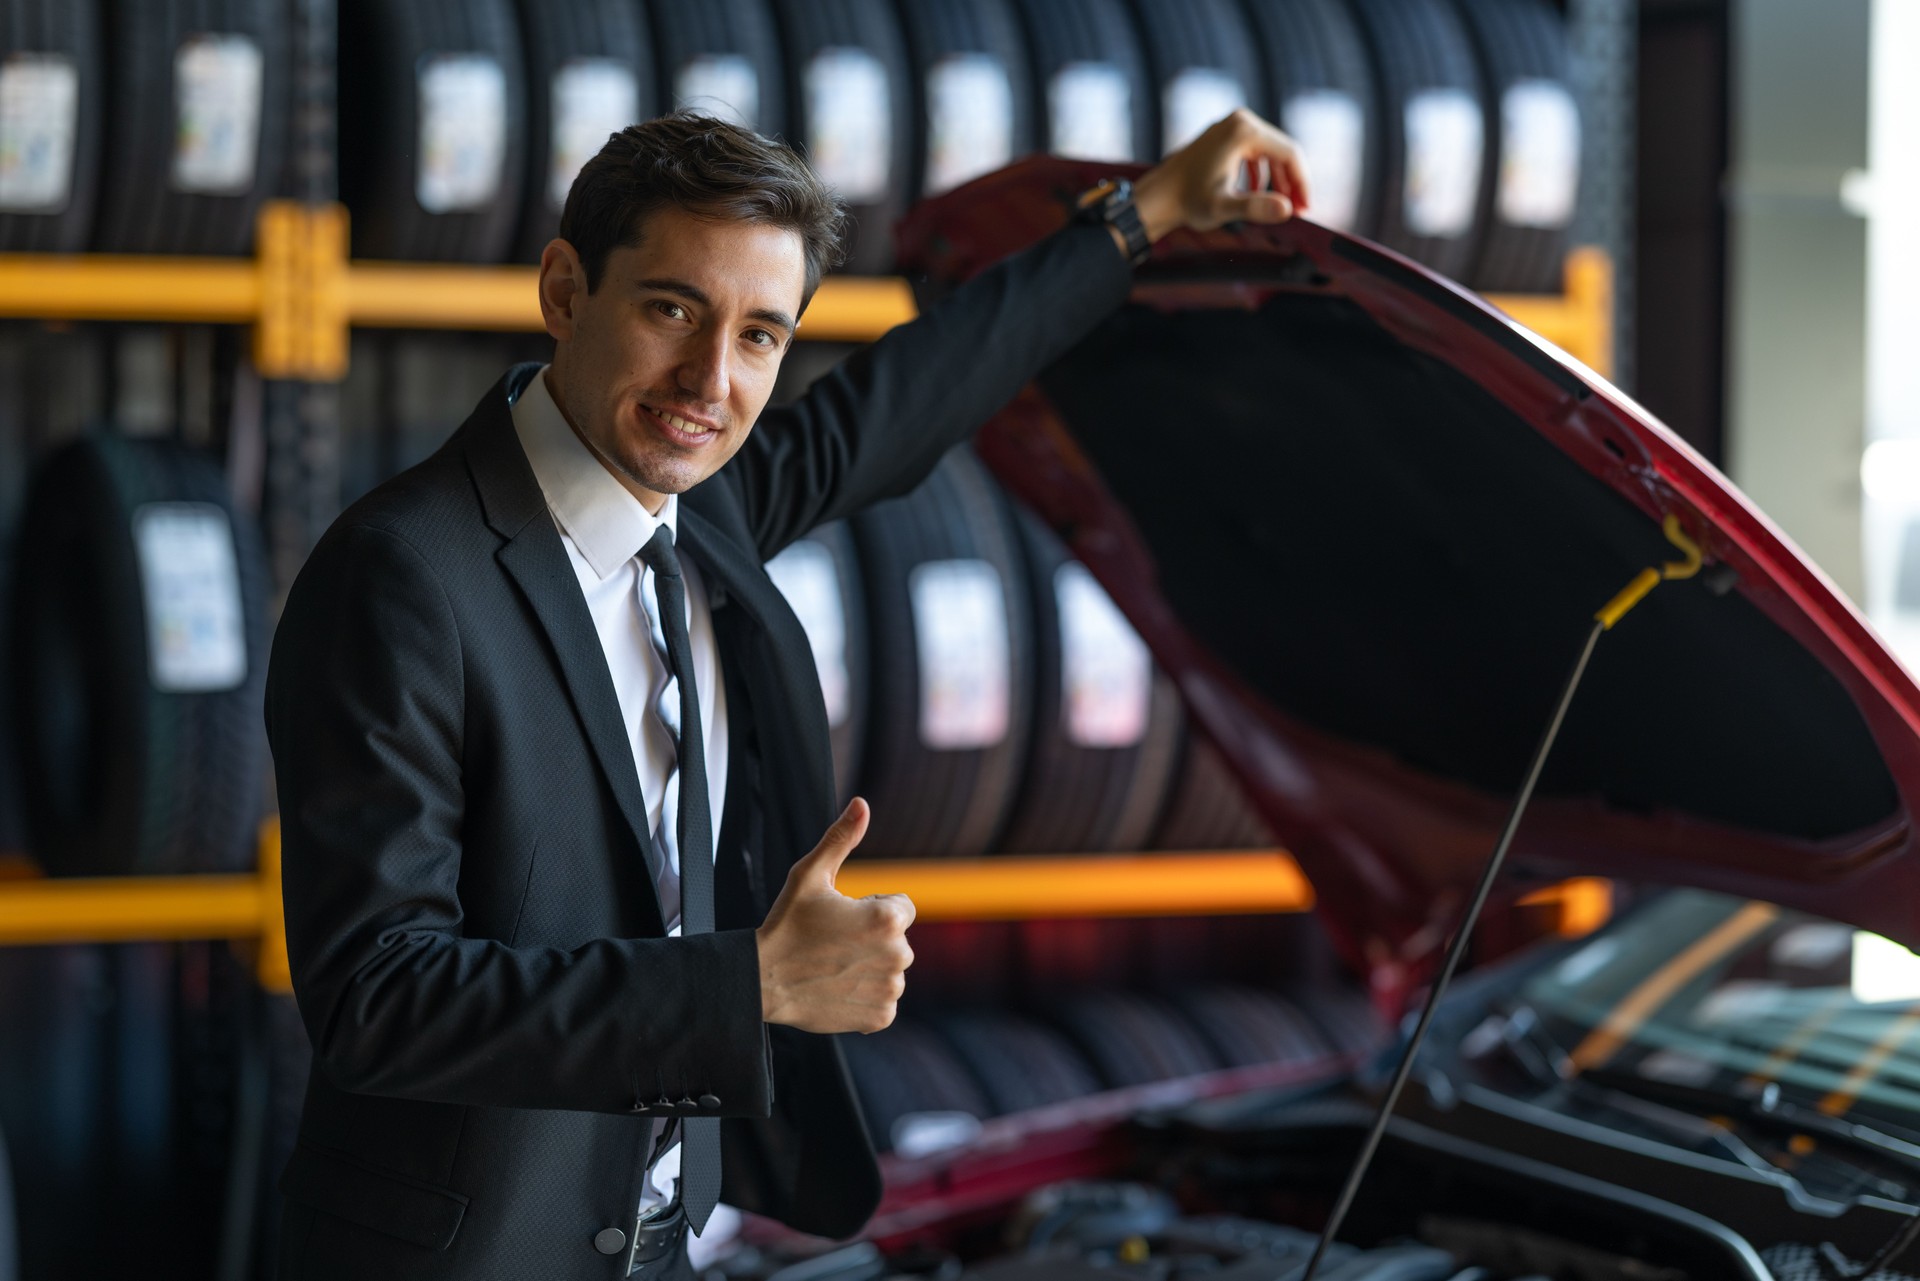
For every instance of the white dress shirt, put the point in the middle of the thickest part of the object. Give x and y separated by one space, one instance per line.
603 527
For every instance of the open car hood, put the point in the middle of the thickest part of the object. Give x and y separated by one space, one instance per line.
1366 521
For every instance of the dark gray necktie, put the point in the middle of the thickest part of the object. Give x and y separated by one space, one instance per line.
699 1135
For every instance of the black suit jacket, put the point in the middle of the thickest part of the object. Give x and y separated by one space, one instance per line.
477 948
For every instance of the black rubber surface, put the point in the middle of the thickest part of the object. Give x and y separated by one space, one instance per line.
928 801
981 38
1019 1063
120 776
70 30
848 29
1246 1027
1316 62
908 1068
385 46
142 207
1207 809
1519 43
690 35
1418 46
564 37
1190 36
1133 1039
1075 797
1064 34
849 732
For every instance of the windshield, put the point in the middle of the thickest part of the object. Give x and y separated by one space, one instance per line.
1713 993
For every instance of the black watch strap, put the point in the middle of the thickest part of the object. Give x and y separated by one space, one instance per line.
1111 202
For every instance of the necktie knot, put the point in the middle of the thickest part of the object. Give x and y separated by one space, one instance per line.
659 555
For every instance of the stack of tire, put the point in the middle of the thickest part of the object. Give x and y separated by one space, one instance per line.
1321 91
981 1063
141 126
1090 80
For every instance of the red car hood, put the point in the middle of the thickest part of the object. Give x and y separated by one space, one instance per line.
1366 521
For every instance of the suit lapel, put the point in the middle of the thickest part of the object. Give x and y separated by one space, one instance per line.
534 558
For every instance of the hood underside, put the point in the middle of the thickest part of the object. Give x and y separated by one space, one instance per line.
1366 522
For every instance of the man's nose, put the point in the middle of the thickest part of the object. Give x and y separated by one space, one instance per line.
704 374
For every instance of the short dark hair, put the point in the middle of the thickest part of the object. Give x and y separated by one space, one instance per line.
709 168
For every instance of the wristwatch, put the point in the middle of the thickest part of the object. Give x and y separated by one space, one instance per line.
1111 202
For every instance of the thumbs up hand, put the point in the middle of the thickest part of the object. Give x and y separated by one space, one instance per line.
829 963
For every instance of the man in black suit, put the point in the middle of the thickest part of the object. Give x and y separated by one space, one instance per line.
551 751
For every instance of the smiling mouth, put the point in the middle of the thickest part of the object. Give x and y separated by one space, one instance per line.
684 430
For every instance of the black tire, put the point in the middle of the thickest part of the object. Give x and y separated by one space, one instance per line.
973 99
1433 131
820 577
1207 810
160 196
905 1070
707 48
1529 186
1134 1040
1345 1016
1246 1027
1093 98
948 797
409 64
56 43
1092 784
1204 63
582 56
1020 1064
1320 90
848 81
121 774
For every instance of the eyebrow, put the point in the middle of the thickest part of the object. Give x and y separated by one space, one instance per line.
694 294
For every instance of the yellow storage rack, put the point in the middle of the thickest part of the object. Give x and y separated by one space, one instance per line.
303 295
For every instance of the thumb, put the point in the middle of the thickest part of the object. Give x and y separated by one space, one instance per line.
1256 206
817 870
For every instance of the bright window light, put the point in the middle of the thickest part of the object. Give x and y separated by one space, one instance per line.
1883 970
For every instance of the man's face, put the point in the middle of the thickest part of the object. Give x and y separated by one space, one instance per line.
665 367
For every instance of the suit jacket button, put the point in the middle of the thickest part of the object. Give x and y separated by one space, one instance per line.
609 1240
710 1101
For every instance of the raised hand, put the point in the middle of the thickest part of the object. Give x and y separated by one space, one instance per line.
829 963
1242 169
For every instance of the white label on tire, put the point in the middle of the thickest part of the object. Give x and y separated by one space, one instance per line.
216 96
960 638
1090 112
1539 154
722 85
1106 673
1331 129
592 98
806 576
1444 144
1195 99
969 119
39 105
190 580
849 123
463 132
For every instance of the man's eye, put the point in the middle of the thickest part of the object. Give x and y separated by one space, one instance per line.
671 310
761 338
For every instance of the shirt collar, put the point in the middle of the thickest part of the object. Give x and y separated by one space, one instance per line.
602 517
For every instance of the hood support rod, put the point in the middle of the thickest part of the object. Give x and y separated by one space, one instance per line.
1603 621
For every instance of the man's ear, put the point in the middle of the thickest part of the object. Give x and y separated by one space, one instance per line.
563 284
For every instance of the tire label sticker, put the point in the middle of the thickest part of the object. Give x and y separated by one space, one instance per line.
969 119
1090 112
1331 129
190 583
960 640
39 107
722 85
592 98
849 123
1106 673
806 576
1444 143
1539 154
463 132
216 95
1195 99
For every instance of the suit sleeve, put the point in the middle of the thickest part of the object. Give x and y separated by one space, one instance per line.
874 426
365 715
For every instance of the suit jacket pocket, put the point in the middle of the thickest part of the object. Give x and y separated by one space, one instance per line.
418 1213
